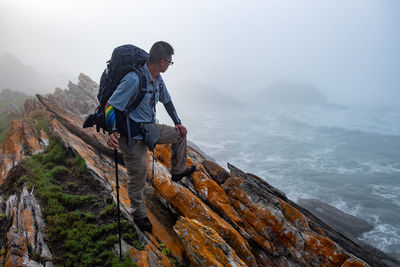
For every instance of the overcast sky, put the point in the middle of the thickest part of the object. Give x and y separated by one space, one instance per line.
349 49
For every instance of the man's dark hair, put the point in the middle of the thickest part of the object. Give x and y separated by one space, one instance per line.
160 50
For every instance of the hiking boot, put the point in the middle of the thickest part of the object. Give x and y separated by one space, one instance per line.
144 224
187 172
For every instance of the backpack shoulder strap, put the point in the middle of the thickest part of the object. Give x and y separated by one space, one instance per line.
135 101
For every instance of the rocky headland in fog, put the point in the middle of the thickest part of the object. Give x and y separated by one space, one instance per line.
216 217
292 93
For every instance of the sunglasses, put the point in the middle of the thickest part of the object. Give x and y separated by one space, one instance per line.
170 62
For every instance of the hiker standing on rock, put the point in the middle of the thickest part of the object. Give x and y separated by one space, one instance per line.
139 124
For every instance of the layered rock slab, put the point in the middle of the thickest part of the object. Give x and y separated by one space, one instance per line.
184 202
22 139
204 245
25 236
79 99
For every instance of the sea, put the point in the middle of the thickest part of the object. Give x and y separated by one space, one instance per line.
346 157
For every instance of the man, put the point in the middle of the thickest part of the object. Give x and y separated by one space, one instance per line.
160 58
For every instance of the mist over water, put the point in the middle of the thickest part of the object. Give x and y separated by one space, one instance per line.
346 157
347 49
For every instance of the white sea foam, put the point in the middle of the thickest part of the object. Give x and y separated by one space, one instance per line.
379 168
345 207
391 193
384 237
274 159
344 170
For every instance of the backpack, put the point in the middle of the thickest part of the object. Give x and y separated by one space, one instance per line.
124 59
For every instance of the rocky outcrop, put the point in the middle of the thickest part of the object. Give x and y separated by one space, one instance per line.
280 229
31 105
369 254
25 236
79 99
13 110
204 245
22 139
215 217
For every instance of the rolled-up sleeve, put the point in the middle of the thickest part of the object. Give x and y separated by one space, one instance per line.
126 88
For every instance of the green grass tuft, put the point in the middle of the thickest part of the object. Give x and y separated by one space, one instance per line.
83 236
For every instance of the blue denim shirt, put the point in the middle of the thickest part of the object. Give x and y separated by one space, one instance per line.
129 86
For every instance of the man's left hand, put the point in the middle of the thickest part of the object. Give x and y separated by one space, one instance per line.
181 129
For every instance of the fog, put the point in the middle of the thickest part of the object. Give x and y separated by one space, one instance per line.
349 50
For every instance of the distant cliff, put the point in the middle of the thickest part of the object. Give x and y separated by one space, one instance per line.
16 75
216 217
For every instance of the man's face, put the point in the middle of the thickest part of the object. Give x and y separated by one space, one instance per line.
165 64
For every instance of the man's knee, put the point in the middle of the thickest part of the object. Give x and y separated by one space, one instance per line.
137 167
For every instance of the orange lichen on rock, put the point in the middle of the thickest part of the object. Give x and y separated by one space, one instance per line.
17 251
151 256
23 232
44 138
26 224
165 234
319 250
266 221
353 262
163 154
156 257
32 105
21 139
12 149
212 194
204 246
189 205
285 227
327 251
140 257
294 216
31 138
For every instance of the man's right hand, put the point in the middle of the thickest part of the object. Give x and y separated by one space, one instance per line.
112 140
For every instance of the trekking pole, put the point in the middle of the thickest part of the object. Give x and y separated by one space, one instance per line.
117 187
154 160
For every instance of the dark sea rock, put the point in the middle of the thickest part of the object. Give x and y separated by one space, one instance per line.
342 221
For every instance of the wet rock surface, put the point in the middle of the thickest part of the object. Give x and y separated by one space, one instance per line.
342 221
